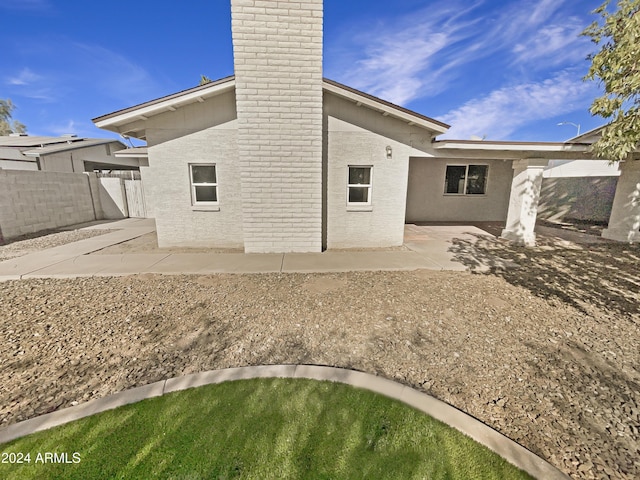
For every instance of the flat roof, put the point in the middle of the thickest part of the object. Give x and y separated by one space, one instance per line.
34 140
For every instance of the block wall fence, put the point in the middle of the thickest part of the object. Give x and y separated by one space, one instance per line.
32 201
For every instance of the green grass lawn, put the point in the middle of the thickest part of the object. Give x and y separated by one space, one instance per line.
262 429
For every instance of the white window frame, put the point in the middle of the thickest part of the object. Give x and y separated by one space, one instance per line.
466 179
193 185
369 186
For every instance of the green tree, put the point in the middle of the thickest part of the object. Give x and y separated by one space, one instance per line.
617 67
8 126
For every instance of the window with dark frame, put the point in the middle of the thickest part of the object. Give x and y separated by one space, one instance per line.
359 185
466 180
204 184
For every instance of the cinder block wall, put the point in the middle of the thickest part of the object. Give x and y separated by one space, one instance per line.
33 201
278 70
577 198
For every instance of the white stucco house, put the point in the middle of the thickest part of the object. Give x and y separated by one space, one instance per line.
67 153
279 159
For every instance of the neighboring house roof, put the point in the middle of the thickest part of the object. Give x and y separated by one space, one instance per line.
13 154
27 148
118 120
31 143
67 146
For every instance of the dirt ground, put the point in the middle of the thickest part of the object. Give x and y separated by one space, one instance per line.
548 353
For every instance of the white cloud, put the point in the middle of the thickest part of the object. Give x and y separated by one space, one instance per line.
521 20
554 44
29 84
404 59
421 55
115 75
25 77
503 111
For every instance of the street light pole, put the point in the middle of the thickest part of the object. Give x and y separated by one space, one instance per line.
577 125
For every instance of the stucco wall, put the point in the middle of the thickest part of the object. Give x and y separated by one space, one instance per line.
191 118
426 201
167 189
34 201
359 136
62 162
382 224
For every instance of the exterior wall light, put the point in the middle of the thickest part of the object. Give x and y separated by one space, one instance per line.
389 152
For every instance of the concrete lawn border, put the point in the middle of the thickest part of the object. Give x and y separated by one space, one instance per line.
478 431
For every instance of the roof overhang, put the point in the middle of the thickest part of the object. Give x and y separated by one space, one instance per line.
130 121
512 150
386 108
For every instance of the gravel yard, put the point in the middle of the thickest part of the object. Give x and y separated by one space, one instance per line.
32 244
548 354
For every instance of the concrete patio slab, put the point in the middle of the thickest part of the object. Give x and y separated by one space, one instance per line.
452 247
437 252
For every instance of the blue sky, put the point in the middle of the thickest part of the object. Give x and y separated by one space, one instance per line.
507 70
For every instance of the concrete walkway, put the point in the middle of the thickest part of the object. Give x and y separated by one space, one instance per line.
428 247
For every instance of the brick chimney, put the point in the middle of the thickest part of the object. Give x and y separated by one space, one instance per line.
277 48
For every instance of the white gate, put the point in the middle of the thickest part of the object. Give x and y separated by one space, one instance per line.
135 198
